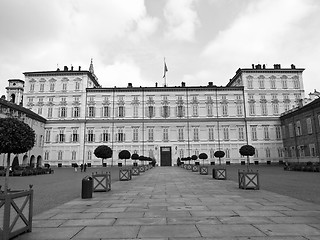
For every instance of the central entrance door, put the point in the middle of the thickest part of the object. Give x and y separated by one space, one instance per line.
165 156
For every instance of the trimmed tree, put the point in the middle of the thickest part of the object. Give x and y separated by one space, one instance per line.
103 152
219 154
247 150
124 154
203 156
16 137
135 157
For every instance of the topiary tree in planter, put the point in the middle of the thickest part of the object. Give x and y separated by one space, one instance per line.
124 154
247 150
194 157
16 137
135 157
103 152
203 156
219 154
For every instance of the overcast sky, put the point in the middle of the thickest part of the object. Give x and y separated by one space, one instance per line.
202 40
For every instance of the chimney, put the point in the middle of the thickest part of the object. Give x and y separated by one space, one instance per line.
129 85
293 66
277 66
258 66
156 84
79 68
183 84
65 68
252 66
210 84
264 66
71 68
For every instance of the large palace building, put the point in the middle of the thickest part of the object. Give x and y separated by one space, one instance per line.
162 122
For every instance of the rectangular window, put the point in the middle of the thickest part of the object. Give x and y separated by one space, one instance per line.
195 134
64 87
74 155
91 112
252 109
275 107
135 134
165 134
41 87
46 155
75 135
195 110
121 111
135 110
278 132
261 83
211 133
241 133
120 135
209 110
298 128
61 137
150 134
51 87
280 152
48 135
40 111
312 149
266 132
284 83
264 110
60 155
90 136
50 112
180 112
239 110
272 83
224 109
76 112
105 135
250 85
254 133
63 112
296 83
226 133
180 134
31 87
309 125
77 85
268 154
105 111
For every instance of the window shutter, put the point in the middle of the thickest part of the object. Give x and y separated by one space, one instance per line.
101 137
124 111
70 138
154 112
176 111
86 137
124 137
183 111
57 138
116 110
116 137
94 137
108 140
146 111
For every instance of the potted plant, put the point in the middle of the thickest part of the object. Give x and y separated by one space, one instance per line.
103 152
16 137
141 167
219 172
124 173
248 179
135 168
203 169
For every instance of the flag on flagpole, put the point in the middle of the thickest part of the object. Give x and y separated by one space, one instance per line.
165 70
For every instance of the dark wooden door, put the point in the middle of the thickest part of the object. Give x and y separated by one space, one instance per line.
165 156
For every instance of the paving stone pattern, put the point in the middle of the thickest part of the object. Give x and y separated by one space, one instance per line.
167 203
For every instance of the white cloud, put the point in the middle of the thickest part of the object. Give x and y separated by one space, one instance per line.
182 20
267 32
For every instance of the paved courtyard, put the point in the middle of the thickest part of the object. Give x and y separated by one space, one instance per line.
173 203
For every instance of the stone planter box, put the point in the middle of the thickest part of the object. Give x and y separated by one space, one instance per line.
125 174
219 173
135 171
248 179
189 167
204 170
195 168
101 182
16 213
141 168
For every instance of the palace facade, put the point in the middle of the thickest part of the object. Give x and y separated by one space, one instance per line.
162 122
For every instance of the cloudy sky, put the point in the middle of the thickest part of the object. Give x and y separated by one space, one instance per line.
201 40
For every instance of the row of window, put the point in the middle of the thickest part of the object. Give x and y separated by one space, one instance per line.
181 133
297 129
51 87
301 151
182 153
272 83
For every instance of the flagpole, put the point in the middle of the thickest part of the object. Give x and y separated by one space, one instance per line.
165 70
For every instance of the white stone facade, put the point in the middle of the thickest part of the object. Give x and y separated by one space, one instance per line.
81 115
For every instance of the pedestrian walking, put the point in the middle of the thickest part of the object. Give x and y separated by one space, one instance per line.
85 167
81 167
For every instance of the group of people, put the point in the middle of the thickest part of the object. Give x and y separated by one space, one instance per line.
83 167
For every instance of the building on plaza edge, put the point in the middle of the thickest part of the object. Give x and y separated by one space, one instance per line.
162 122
